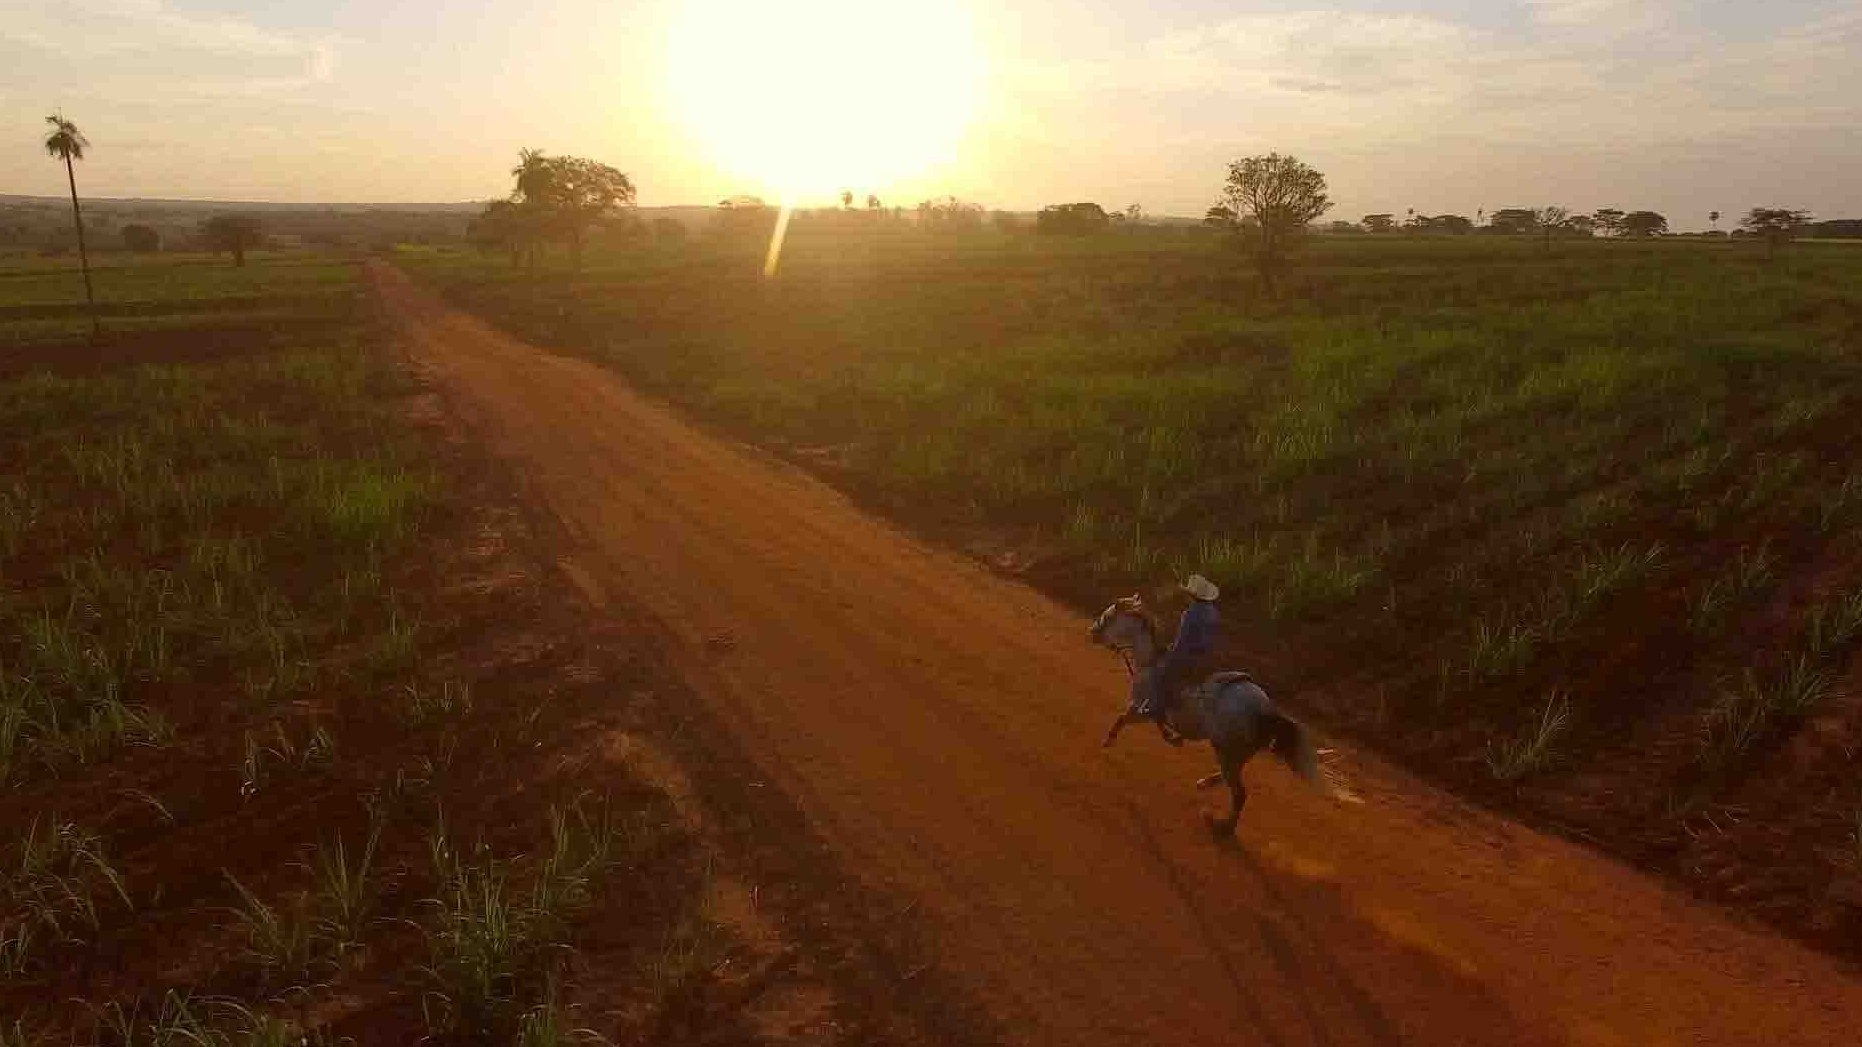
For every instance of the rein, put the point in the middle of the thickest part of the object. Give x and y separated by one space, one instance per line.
1150 630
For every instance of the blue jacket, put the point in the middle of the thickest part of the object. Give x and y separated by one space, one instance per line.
1197 634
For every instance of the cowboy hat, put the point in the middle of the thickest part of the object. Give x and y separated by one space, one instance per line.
1201 588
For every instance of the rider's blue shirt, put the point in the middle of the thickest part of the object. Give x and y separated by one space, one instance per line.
1197 633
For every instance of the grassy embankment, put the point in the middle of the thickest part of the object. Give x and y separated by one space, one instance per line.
282 717
1576 528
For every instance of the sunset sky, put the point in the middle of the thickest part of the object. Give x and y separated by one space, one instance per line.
1437 105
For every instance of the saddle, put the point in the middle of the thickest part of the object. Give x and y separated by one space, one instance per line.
1214 683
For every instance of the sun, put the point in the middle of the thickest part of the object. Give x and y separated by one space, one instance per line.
812 96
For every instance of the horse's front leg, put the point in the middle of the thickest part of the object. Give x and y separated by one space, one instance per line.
1118 724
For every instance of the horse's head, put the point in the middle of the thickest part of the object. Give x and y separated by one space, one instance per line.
1124 625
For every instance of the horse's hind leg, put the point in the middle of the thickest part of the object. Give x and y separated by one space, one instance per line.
1231 763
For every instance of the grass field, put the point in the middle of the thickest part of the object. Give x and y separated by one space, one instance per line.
1574 528
41 301
292 733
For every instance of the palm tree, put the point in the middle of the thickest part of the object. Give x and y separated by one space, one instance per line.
534 176
1714 217
67 144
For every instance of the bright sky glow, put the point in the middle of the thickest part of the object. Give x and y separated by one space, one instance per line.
811 96
1683 106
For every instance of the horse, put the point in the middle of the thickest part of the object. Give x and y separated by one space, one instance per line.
1228 710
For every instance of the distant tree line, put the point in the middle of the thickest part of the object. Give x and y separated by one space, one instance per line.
1774 225
1516 221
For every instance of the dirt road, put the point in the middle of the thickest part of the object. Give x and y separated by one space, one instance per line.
940 726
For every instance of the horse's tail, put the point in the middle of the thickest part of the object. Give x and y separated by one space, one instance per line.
1292 742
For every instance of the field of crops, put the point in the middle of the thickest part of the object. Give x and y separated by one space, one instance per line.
294 730
1577 528
42 300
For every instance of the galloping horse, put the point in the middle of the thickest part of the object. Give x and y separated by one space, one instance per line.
1229 710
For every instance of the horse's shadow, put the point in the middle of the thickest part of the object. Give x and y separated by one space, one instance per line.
1321 945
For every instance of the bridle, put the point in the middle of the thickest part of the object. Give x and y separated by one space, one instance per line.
1150 630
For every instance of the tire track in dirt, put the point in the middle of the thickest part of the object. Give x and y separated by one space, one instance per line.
939 726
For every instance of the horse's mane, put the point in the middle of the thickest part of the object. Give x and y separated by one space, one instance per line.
1151 624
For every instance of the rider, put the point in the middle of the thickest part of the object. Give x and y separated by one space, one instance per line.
1197 633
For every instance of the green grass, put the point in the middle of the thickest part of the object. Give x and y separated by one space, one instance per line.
43 303
1747 713
58 883
179 1019
154 515
1534 747
494 945
1834 624
278 934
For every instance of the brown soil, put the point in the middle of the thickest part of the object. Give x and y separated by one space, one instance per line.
938 727
569 701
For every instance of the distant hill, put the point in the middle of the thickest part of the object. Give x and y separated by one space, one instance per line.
226 206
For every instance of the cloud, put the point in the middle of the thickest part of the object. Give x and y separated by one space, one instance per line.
1609 16
149 49
1348 52
1581 72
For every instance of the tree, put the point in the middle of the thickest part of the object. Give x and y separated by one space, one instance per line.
949 214
1581 224
1838 228
1776 224
141 239
1713 217
1550 220
1380 223
1609 221
1642 224
235 233
504 226
1080 219
1453 224
1220 216
66 143
1134 213
1280 196
745 218
1513 221
872 203
568 195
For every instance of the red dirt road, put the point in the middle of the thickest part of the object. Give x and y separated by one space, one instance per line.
940 727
